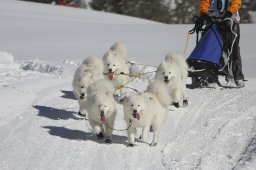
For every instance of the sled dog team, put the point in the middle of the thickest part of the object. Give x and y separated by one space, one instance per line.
99 84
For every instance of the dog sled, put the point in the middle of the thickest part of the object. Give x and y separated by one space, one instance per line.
210 58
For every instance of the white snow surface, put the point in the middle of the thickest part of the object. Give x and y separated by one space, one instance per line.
40 48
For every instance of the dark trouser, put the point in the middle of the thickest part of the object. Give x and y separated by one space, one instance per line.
235 56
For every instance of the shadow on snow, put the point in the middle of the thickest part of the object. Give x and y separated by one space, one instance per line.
71 134
68 94
55 114
66 133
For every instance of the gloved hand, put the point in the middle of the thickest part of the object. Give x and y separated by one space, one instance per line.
203 17
227 14
226 21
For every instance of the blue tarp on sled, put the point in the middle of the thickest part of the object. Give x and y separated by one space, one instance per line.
209 47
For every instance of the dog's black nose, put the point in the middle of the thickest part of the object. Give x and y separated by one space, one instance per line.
134 111
102 112
166 77
110 70
82 94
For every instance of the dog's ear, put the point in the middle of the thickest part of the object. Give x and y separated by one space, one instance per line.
163 63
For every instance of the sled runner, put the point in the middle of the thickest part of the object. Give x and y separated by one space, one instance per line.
211 56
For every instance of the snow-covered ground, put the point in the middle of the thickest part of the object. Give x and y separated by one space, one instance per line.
41 46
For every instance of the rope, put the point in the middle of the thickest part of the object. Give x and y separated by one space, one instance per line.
74 122
135 76
231 49
186 46
116 74
130 124
139 92
146 65
138 75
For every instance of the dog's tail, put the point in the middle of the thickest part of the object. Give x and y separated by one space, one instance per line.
160 90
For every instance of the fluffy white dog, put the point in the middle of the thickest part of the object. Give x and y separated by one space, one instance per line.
101 107
174 71
88 72
146 110
116 67
120 48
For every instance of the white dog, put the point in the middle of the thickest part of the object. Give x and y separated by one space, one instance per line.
174 71
146 110
116 67
101 107
120 48
88 72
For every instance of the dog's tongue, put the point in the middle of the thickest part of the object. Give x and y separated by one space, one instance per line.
110 77
167 81
136 116
102 118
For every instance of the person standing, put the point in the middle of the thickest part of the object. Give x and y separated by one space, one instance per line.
227 9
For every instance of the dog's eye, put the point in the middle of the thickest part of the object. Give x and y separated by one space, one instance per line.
107 64
114 65
138 105
98 105
82 87
163 72
169 72
132 105
105 106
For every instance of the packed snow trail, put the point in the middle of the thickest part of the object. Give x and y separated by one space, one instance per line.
216 130
213 131
49 132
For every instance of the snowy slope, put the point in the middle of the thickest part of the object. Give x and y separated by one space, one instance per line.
41 46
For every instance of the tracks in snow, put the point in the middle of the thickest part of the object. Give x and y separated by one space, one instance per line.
213 130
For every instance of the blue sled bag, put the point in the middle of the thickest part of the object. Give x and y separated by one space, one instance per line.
209 47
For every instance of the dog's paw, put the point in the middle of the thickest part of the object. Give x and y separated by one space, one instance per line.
100 136
153 144
176 105
121 101
130 145
151 129
185 103
116 96
108 141
80 114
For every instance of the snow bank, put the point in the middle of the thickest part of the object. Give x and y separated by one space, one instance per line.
70 62
6 57
39 66
7 64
